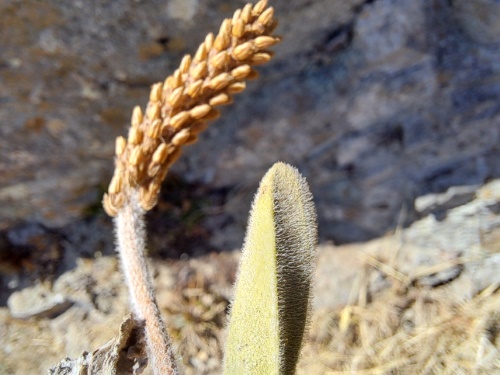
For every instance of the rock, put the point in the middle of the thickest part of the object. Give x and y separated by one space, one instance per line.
114 357
37 302
343 265
386 27
438 203
459 253
376 102
96 301
479 18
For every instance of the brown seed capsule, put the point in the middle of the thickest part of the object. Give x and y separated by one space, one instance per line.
175 97
199 111
155 94
236 16
222 42
218 61
120 145
160 154
246 13
236 87
136 116
263 42
260 58
179 119
221 99
225 28
134 136
238 28
154 129
177 80
185 64
243 51
266 17
194 89
201 54
115 186
136 156
153 169
258 28
241 72
259 8
180 137
199 71
168 84
153 111
221 81
209 41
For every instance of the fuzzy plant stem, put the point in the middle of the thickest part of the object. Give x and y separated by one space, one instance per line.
130 234
272 303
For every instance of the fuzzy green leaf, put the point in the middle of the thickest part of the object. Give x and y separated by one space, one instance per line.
273 296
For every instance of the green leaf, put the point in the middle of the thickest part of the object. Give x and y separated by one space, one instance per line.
273 295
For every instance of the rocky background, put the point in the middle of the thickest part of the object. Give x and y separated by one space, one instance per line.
384 105
376 102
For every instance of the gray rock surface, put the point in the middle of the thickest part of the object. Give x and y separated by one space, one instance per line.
114 358
37 302
439 203
461 252
376 102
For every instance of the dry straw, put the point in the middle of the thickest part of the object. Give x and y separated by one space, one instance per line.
179 108
406 329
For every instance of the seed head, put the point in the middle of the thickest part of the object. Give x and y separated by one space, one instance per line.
180 107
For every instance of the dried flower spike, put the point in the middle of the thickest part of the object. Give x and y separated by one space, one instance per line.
186 98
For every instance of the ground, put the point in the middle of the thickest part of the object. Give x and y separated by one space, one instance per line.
420 300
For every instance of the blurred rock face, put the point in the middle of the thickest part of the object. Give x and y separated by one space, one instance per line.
376 102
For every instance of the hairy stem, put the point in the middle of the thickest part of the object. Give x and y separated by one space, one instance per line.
131 238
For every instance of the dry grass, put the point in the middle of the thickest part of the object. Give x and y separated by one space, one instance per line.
403 329
196 311
195 322
406 329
